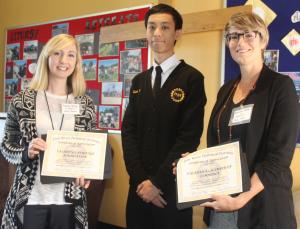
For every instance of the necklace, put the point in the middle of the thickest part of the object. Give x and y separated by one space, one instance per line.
62 119
225 105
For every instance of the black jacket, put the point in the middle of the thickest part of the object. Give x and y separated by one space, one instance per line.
155 132
270 142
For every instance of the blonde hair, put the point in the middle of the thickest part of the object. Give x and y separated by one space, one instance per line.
75 82
248 22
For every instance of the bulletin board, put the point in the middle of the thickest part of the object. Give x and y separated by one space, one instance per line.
108 67
283 50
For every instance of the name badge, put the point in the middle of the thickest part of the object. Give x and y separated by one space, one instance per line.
241 115
70 108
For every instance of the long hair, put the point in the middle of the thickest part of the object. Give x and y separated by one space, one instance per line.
75 82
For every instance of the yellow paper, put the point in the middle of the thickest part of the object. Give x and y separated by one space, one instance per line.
292 42
262 10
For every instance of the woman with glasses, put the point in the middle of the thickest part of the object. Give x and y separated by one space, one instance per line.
268 105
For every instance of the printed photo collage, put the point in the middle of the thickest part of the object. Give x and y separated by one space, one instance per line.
20 66
108 70
271 59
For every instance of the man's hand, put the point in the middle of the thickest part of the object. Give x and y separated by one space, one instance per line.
159 202
149 193
174 164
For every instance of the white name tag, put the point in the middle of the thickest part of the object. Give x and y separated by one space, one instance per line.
241 115
70 108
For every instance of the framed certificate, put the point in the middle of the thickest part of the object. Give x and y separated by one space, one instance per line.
216 170
72 154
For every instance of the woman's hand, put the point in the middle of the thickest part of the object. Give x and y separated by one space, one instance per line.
35 146
225 203
228 203
82 182
174 164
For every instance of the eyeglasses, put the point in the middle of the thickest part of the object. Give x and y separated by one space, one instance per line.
247 36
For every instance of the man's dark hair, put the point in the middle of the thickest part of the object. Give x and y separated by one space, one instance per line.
165 9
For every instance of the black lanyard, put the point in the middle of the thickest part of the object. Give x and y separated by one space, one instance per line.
231 94
62 119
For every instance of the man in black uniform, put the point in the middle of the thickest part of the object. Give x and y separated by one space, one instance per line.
164 119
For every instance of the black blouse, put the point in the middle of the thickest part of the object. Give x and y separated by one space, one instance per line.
238 132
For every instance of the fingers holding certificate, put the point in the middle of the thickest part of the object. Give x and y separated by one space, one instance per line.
219 170
71 154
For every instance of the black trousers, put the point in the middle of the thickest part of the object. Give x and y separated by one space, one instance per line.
147 216
49 217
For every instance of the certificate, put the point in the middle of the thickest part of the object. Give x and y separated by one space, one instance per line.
216 170
72 154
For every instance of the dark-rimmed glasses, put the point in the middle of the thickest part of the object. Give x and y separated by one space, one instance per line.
247 36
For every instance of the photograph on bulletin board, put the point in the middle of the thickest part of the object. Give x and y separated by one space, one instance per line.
108 68
283 51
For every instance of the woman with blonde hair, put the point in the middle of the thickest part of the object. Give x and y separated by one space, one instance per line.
58 80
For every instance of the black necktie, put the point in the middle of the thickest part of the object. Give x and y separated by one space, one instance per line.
157 82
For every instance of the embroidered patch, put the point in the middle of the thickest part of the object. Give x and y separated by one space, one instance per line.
177 95
136 91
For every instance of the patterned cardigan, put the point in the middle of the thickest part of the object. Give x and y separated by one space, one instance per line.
20 129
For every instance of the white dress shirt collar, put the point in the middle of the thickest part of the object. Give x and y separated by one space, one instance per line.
167 66
168 63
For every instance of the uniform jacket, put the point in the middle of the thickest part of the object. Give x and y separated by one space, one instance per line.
270 142
20 129
155 132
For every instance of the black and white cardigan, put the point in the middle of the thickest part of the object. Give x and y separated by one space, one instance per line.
20 129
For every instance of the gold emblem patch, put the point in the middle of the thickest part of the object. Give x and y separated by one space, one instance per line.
177 95
136 91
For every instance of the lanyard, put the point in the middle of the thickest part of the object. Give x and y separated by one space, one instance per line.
225 105
62 119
